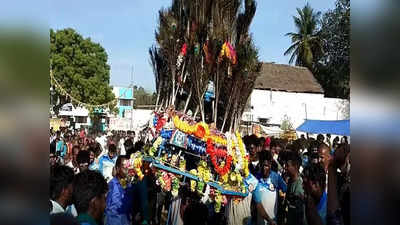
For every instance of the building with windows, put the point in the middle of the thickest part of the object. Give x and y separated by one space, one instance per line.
74 117
125 100
292 94
127 118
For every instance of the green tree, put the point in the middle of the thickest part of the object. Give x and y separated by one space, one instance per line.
306 45
80 66
142 97
333 69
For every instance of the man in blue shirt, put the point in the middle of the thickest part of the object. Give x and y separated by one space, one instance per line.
107 162
314 182
266 193
119 198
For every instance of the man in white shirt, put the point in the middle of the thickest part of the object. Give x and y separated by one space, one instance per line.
121 146
102 140
61 178
107 162
266 193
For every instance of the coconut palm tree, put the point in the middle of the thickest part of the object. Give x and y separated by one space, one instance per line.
306 45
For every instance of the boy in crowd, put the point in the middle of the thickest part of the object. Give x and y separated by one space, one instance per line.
61 147
252 147
93 156
73 163
53 158
83 160
61 178
276 148
295 192
266 193
89 196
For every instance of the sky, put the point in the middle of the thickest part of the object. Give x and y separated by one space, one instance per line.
126 28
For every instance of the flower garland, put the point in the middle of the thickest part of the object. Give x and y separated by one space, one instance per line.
231 151
174 160
224 179
214 153
200 130
236 153
204 175
203 172
183 126
134 166
217 140
182 164
165 180
168 182
123 182
243 154
175 186
193 182
218 201
155 146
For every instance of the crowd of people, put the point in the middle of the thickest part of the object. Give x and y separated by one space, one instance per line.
306 181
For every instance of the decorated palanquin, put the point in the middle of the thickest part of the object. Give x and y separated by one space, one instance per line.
196 153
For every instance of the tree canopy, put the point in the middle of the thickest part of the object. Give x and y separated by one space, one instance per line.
142 97
306 45
333 70
323 46
80 68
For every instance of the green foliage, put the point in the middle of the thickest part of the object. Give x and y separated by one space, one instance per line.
306 45
333 70
80 66
324 47
142 97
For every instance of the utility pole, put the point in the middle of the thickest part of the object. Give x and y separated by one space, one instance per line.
132 98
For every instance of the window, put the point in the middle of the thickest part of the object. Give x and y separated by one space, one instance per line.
125 102
81 119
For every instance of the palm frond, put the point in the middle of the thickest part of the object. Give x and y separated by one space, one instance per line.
294 55
291 48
